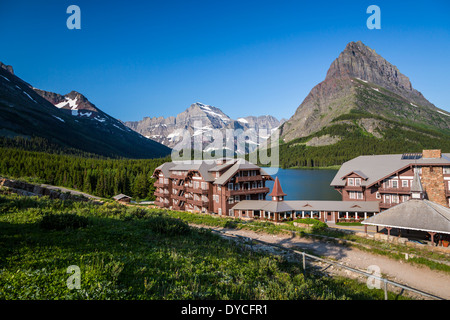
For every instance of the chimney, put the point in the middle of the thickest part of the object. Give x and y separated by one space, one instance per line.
436 153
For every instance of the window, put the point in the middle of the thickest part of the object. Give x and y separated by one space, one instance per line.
247 197
394 183
260 196
356 195
237 198
357 181
230 186
404 183
395 198
350 182
405 198
377 195
230 212
220 211
447 170
387 199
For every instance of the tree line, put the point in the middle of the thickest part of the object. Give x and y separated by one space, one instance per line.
94 175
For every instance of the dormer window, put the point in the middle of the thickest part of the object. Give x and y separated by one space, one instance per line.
350 182
357 181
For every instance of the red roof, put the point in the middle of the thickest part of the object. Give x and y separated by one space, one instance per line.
277 191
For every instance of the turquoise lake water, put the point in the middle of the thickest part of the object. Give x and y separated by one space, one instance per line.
303 184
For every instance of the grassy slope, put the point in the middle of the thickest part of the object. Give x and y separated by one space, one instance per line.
133 253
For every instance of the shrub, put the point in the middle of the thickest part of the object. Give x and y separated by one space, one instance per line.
317 225
63 221
167 225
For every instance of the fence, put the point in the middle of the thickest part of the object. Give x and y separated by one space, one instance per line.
339 265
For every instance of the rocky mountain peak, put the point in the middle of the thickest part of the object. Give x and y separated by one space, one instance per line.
359 61
6 67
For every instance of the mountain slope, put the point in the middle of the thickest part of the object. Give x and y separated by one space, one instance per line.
204 119
361 81
28 112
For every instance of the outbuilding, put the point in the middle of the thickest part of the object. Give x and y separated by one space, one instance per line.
122 198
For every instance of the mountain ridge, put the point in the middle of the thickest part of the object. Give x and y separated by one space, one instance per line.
363 81
169 131
26 112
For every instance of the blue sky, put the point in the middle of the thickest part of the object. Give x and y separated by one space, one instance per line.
154 58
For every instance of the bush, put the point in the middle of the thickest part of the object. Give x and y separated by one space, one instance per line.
317 225
63 221
167 225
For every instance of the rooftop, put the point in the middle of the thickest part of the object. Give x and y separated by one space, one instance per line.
306 205
377 167
422 215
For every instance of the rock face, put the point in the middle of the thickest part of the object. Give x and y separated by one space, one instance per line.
202 119
361 80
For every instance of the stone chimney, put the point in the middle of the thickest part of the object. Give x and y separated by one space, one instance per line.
433 178
436 153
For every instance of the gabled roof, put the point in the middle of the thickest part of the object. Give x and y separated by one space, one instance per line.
241 164
378 167
358 173
207 168
121 196
165 168
420 215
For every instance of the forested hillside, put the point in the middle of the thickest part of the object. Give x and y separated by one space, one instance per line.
356 134
98 176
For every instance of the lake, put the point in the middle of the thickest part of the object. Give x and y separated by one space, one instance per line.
304 184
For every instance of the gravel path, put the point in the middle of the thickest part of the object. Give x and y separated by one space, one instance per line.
422 278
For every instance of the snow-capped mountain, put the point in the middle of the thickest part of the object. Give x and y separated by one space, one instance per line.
205 120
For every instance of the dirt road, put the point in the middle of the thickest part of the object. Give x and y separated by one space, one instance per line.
422 278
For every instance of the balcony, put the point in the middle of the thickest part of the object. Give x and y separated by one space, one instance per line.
161 204
159 184
197 190
249 178
395 190
354 188
178 206
199 203
161 194
178 176
178 197
246 191
178 187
